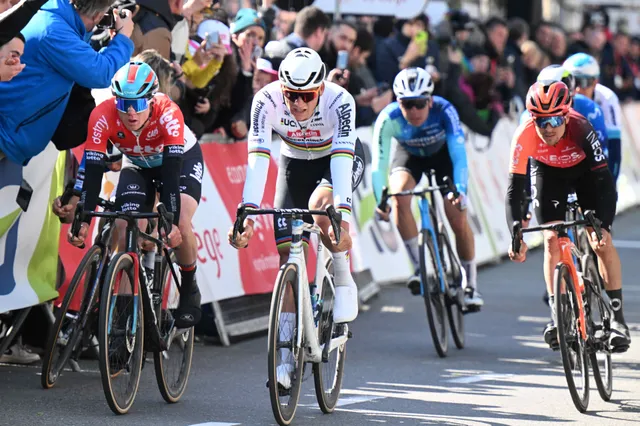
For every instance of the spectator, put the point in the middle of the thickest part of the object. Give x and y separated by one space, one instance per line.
57 56
534 60
505 66
382 29
370 98
154 22
594 40
181 30
518 32
634 63
203 64
13 22
10 54
266 73
309 30
342 36
544 36
558 45
615 71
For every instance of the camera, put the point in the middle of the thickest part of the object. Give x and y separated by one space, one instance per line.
108 21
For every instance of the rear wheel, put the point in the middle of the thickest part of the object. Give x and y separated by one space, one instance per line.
455 296
433 296
283 356
572 346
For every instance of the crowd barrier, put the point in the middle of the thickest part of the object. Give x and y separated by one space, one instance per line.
236 281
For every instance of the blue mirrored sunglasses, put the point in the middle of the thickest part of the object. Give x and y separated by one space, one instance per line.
138 105
555 121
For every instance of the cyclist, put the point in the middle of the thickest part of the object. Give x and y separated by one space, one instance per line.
429 136
148 128
566 155
586 71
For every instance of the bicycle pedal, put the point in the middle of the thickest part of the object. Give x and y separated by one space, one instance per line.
349 335
619 349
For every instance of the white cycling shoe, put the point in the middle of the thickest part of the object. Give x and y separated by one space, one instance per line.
283 374
345 306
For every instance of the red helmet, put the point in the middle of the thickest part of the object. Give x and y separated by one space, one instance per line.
548 98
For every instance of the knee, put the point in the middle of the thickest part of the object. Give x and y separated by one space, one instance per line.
318 203
185 226
551 242
401 204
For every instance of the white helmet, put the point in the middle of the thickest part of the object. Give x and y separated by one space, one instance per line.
558 73
582 65
302 69
413 83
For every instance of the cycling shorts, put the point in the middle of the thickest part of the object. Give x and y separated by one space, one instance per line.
298 179
550 187
136 190
416 166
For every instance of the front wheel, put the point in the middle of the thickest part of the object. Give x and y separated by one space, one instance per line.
572 346
285 360
455 293
433 296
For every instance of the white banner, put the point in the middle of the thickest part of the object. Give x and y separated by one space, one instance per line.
402 9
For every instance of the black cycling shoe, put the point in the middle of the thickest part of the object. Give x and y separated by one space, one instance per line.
551 336
189 311
414 284
620 339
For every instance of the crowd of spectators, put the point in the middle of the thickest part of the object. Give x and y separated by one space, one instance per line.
215 56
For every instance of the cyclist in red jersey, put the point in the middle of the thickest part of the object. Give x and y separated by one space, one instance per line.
148 128
566 156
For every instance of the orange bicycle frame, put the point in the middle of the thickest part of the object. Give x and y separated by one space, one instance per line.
566 258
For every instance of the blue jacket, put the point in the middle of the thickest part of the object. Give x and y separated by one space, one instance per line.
57 55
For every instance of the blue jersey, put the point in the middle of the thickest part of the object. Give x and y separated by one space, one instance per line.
590 110
441 128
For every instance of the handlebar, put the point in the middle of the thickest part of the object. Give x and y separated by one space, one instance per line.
447 185
243 212
590 220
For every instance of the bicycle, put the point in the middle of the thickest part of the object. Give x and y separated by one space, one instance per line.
578 295
72 332
147 323
312 336
440 286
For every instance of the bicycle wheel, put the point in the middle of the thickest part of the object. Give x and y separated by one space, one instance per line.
433 297
282 352
572 346
455 293
173 365
327 376
598 320
121 334
66 332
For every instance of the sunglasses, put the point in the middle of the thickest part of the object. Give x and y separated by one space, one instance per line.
306 96
555 121
584 82
420 103
138 105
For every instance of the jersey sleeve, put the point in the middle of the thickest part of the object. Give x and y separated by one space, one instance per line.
172 125
383 131
597 121
587 138
455 145
612 116
342 150
263 110
520 151
95 152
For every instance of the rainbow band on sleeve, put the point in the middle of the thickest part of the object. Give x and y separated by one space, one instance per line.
344 208
286 241
261 151
343 152
251 206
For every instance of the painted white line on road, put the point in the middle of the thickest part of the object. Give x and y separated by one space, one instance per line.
350 400
628 244
537 320
479 378
217 424
394 309
524 361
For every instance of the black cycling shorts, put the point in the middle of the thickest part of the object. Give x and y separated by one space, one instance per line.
416 166
136 190
550 187
297 179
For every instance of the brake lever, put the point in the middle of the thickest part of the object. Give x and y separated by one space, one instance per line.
78 216
166 218
238 226
336 220
451 187
516 236
383 199
595 223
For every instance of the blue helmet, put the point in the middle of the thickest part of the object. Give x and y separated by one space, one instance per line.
582 65
135 80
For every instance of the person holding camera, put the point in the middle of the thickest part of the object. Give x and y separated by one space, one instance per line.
58 55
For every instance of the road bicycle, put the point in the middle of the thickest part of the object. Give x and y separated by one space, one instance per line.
583 311
301 326
440 268
135 315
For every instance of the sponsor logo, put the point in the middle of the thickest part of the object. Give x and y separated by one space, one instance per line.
555 203
336 100
344 120
237 174
534 191
255 117
282 223
94 156
358 171
308 133
140 149
133 187
516 154
170 123
130 207
454 118
99 126
598 154
288 122
176 149
121 135
268 96
152 134
197 172
566 159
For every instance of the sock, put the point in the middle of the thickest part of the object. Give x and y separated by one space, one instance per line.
285 333
552 305
188 272
616 304
342 269
414 252
471 270
148 260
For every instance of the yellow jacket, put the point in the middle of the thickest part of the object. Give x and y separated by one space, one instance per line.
200 77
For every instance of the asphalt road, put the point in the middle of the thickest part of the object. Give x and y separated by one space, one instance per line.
505 376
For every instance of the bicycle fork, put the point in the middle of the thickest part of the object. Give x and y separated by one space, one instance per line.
427 225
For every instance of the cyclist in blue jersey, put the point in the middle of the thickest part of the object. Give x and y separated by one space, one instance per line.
586 71
429 137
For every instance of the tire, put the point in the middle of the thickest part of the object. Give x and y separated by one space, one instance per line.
433 297
172 389
332 370
598 320
89 269
569 337
455 296
284 412
130 352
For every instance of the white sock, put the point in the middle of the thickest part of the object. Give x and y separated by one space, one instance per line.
148 259
342 269
470 268
414 251
285 333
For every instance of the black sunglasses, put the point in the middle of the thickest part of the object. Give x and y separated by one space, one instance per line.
420 103
306 96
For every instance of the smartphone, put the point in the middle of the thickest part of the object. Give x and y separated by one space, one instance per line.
421 38
383 87
257 52
24 195
212 39
343 60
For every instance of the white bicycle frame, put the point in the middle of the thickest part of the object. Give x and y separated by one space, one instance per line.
307 328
